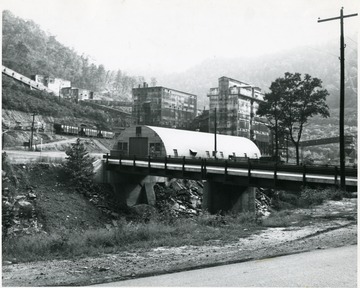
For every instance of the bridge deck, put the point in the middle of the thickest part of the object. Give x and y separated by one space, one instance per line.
256 173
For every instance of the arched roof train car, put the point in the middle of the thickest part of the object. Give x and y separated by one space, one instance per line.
158 141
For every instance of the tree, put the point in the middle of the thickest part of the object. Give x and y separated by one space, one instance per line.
290 104
100 76
153 81
271 108
79 166
306 99
117 85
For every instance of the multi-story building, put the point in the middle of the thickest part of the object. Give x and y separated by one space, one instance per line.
234 104
161 106
54 84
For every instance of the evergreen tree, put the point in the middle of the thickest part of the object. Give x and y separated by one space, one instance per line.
79 166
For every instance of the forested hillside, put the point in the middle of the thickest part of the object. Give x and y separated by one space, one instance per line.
321 62
29 50
16 97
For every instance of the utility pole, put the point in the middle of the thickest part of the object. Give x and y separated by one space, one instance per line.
252 114
215 128
342 93
32 132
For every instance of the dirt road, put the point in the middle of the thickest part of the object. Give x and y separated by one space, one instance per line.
334 225
16 156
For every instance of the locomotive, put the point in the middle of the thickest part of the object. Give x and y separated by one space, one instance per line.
82 131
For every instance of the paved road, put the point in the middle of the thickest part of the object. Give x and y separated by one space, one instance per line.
335 267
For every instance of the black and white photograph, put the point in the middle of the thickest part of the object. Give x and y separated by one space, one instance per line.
179 143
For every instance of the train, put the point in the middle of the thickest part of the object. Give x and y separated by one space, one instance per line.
82 131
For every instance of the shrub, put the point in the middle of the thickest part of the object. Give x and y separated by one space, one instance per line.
228 219
9 183
79 166
289 198
336 194
207 219
310 197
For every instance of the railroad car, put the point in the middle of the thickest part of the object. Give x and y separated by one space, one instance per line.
144 141
106 134
81 131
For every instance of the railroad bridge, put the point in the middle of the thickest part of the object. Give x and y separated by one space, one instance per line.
229 183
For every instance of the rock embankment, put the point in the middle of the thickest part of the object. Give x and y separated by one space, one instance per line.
184 197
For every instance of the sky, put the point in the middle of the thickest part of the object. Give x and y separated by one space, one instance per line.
174 35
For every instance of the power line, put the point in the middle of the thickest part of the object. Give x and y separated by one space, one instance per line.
323 51
351 39
331 54
347 45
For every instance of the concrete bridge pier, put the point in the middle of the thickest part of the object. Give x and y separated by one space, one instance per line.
134 189
219 196
129 189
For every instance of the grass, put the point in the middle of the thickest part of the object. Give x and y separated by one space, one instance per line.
67 244
284 218
145 235
74 225
307 198
310 197
158 232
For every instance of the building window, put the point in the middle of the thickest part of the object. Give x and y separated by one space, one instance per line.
155 148
122 146
138 129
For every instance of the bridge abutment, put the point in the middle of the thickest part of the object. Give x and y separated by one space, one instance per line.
219 196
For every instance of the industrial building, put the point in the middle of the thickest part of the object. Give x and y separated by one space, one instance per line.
144 141
161 106
234 104
54 84
76 94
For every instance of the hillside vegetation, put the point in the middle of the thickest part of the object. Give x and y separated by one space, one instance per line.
29 50
321 62
20 98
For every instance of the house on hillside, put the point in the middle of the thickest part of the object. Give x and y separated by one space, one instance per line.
236 103
54 84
